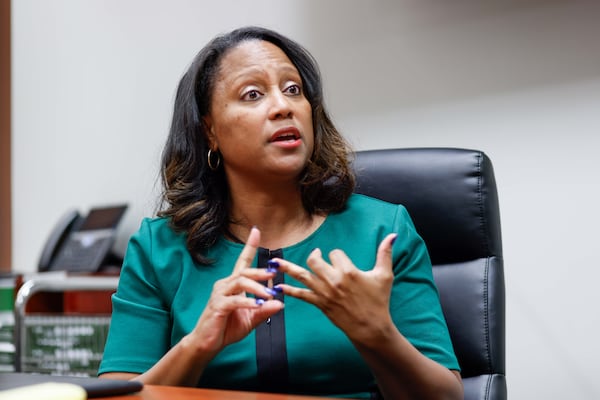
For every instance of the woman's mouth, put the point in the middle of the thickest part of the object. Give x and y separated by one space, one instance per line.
288 137
288 134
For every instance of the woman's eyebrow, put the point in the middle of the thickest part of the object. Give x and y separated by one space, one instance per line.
260 70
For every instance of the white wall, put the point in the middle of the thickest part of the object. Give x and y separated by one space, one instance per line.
93 88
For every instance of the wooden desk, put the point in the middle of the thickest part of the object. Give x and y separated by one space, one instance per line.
153 392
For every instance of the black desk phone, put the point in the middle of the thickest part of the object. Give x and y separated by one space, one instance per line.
82 244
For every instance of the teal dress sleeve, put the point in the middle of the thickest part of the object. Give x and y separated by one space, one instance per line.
140 325
414 304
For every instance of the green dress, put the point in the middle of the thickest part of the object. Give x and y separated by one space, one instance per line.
162 293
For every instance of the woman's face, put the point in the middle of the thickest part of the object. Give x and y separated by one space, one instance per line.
259 119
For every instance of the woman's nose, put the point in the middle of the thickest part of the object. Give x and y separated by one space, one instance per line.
281 106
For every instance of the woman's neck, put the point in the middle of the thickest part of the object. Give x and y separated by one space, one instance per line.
280 216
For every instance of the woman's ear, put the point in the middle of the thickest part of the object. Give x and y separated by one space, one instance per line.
210 133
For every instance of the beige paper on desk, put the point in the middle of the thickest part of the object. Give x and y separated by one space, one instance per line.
45 391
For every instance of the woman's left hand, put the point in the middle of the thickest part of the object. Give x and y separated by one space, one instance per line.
351 298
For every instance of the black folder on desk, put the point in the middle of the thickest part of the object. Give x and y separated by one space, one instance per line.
95 387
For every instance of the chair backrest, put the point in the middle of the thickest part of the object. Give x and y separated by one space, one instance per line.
452 198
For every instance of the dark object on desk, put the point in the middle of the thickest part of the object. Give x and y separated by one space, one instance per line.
94 387
82 244
452 198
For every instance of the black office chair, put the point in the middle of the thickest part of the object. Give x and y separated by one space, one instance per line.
452 198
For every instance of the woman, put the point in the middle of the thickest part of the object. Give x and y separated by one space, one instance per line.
255 174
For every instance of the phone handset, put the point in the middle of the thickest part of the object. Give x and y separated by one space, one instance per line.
67 223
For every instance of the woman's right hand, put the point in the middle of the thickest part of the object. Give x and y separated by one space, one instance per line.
230 315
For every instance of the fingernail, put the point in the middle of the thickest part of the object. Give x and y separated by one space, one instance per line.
272 292
278 289
393 240
260 301
272 264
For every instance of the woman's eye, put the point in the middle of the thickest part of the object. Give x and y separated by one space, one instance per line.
251 95
294 90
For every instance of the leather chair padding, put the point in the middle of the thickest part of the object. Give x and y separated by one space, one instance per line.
452 198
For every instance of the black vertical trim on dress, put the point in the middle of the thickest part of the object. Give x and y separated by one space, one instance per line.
271 351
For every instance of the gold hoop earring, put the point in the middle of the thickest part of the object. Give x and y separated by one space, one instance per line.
213 165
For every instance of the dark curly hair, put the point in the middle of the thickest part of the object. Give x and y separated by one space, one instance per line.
196 198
